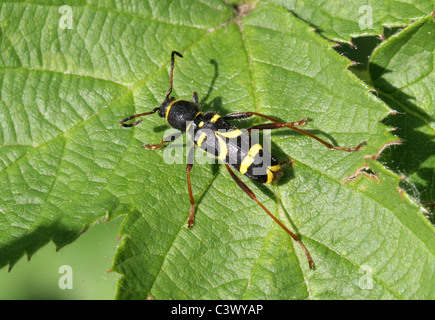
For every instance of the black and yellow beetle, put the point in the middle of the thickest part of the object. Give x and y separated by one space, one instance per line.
214 134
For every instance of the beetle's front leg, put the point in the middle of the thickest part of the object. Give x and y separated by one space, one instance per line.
162 143
195 97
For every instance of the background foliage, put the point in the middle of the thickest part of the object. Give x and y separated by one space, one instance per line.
65 163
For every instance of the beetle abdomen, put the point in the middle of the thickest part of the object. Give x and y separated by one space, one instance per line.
236 148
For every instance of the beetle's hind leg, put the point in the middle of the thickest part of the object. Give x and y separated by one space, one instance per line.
246 115
291 125
249 192
278 125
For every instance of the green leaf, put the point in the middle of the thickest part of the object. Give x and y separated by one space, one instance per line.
341 20
66 162
235 250
63 93
402 72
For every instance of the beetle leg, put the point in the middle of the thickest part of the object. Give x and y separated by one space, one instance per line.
195 97
165 140
278 125
191 219
245 188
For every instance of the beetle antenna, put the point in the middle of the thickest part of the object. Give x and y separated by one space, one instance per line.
123 121
172 71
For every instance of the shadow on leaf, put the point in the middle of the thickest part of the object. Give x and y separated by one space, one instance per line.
413 157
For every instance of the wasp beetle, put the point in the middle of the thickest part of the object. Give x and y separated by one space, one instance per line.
225 143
